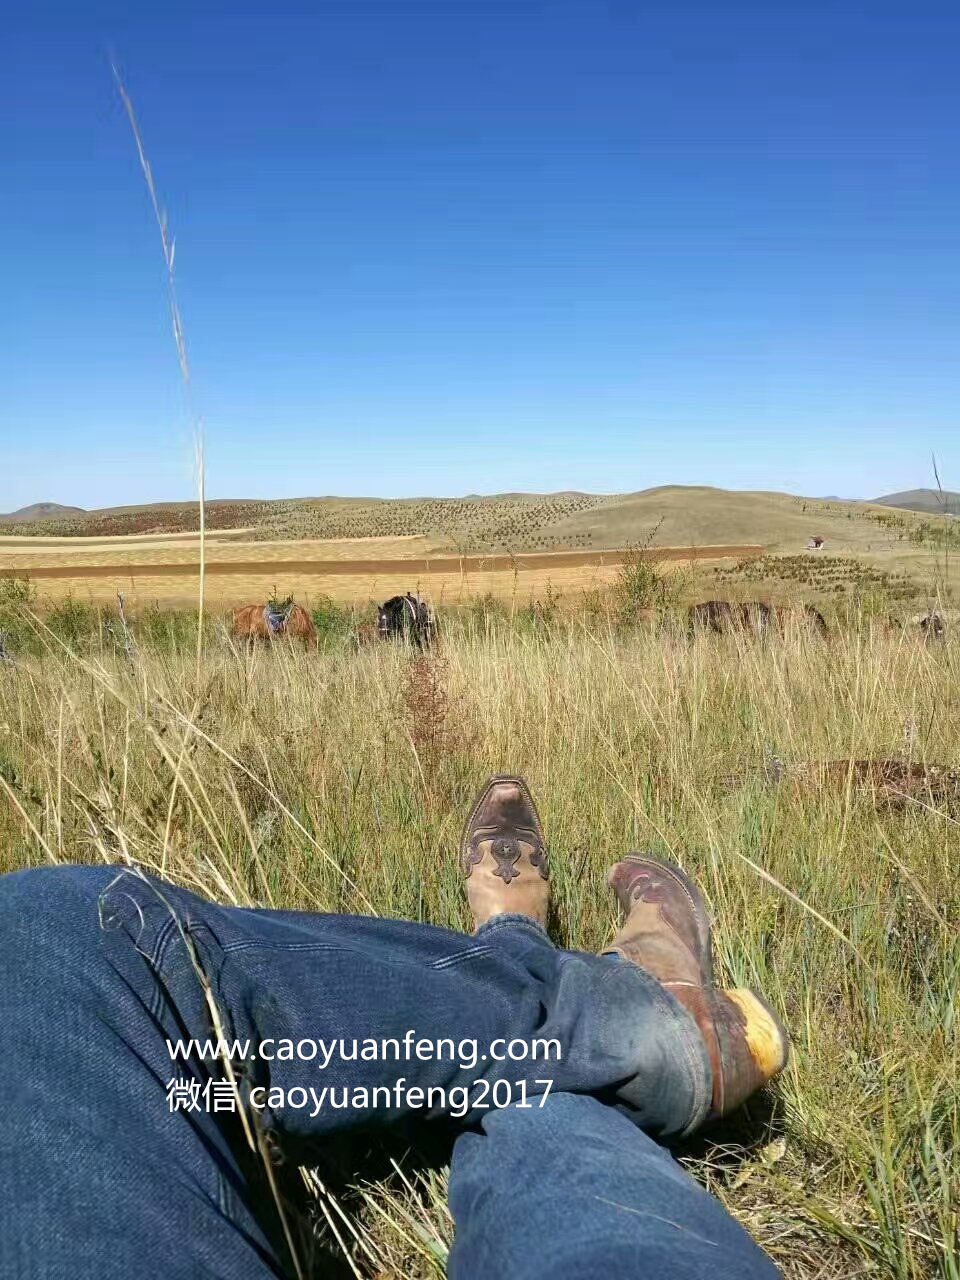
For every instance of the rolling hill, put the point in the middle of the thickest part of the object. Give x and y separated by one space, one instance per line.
669 515
933 501
42 511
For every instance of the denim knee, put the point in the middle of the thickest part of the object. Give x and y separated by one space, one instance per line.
45 910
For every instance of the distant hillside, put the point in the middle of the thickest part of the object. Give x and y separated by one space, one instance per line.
677 515
43 511
699 514
931 500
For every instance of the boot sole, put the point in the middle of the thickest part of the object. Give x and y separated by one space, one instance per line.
700 914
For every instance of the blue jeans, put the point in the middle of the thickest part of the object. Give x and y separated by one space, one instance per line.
113 1167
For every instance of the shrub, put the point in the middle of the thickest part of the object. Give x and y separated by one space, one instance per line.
484 613
73 622
331 621
540 615
169 630
17 631
640 586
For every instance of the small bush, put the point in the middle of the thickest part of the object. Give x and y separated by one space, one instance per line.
540 615
167 630
331 622
641 589
73 622
485 614
18 633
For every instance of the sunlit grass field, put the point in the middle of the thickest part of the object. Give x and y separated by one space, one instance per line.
163 571
336 781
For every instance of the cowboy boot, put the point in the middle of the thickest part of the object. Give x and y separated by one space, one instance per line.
667 932
502 854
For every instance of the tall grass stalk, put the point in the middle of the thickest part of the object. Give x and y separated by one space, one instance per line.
169 246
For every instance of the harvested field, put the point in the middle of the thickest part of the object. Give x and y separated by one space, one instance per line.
20 542
354 571
177 548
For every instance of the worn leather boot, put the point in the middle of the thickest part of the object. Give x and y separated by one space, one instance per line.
503 855
667 932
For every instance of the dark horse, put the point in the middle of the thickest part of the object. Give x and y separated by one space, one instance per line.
755 616
407 618
730 615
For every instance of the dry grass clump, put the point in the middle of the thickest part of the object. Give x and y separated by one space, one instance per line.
339 781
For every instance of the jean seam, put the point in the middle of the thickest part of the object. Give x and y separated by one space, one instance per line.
161 943
456 957
244 944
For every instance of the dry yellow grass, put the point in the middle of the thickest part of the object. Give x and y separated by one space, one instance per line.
184 548
309 568
845 912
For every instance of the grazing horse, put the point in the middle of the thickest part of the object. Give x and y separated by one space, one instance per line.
932 624
407 618
730 615
928 627
271 621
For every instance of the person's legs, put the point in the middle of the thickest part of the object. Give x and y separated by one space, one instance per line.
568 1188
100 1178
573 1191
100 969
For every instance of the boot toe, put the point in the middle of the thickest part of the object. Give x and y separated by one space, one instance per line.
503 855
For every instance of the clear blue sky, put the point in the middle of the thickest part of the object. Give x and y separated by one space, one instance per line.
442 246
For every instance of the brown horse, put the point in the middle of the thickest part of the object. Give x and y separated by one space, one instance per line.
256 622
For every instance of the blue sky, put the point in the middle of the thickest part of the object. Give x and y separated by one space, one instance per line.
443 246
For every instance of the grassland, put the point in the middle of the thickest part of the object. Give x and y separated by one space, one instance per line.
334 781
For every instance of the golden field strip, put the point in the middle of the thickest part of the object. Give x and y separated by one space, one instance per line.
166 571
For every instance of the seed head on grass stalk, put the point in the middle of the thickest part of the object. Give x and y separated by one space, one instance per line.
168 244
